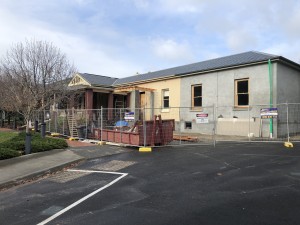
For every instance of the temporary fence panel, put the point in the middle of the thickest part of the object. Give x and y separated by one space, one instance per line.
177 126
292 125
251 123
191 126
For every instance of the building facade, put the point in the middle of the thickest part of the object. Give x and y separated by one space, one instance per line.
229 92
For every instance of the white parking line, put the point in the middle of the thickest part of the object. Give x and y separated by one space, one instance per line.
87 196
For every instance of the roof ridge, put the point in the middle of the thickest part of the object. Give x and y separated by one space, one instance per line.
267 54
99 75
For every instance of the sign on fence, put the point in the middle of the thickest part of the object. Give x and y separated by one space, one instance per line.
268 113
202 118
129 116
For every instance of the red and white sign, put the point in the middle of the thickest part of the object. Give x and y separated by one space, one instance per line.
202 118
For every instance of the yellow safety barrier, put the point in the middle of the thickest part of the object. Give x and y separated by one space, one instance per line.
145 149
288 144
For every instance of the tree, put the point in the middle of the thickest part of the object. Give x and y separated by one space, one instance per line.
34 74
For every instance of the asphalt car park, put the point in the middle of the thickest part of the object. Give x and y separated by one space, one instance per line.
244 183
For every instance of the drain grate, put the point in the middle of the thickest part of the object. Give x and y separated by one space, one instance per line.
114 165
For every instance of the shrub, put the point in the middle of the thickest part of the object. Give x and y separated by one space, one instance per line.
16 145
6 153
38 144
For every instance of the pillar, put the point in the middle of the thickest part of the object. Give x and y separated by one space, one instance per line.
89 102
135 104
110 105
128 100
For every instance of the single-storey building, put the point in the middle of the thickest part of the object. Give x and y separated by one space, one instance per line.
228 92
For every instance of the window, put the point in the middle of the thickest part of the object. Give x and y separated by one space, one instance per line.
197 96
188 125
241 98
166 98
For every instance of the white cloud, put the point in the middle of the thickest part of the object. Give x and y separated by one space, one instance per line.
141 4
240 40
179 6
88 56
171 50
121 37
285 50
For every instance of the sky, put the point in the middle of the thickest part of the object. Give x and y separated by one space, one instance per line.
120 38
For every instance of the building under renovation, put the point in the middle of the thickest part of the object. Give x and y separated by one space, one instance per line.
227 94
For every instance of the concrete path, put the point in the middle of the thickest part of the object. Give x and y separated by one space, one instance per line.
17 170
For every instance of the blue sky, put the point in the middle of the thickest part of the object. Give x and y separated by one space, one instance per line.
119 38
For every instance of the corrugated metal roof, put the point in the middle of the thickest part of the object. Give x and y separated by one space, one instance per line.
98 80
218 63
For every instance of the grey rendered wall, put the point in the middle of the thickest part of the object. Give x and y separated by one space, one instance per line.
218 89
288 91
288 84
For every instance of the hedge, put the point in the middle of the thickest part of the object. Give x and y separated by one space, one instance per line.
6 153
12 147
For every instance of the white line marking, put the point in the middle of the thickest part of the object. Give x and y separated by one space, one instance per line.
87 196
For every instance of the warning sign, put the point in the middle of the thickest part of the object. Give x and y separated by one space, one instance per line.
202 118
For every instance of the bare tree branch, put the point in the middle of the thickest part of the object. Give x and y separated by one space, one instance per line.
31 73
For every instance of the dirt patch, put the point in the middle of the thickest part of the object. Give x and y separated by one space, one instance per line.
78 143
6 130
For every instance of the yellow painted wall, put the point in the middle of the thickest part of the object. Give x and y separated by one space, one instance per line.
174 98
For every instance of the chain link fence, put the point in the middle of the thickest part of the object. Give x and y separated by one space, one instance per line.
177 126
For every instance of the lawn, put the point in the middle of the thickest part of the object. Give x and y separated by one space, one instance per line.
5 136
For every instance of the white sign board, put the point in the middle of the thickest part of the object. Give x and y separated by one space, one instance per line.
129 116
268 113
202 118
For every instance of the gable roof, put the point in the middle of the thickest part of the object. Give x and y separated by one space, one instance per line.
98 80
218 63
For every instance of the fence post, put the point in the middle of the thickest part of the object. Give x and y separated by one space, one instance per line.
55 120
63 119
216 122
98 117
144 127
214 125
87 116
179 126
101 126
121 126
49 120
72 124
287 122
249 126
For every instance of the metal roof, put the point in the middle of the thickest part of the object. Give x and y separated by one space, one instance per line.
218 63
98 80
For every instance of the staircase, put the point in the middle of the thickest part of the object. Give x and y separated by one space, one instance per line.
72 125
